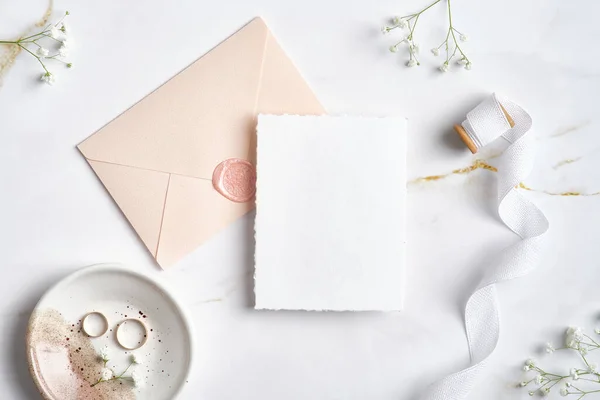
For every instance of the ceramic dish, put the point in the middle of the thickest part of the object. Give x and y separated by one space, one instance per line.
65 362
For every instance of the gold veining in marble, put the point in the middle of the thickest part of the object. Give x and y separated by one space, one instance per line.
565 162
569 129
482 164
477 164
565 194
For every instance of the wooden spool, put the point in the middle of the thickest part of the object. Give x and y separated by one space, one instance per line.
468 141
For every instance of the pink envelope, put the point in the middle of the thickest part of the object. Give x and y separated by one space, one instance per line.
157 158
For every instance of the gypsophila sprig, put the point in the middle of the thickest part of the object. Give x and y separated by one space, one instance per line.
579 381
51 43
108 375
450 44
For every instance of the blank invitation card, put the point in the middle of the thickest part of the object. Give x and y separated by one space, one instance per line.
330 213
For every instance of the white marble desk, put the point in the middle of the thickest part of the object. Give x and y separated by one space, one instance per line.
55 216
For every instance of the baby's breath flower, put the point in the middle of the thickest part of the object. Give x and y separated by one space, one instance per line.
522 384
544 392
55 33
462 61
136 359
549 348
593 367
444 68
576 332
104 354
573 336
42 52
401 23
48 78
394 48
63 51
69 65
138 379
106 374
451 42
597 331
531 393
564 391
464 38
67 42
468 66
539 379
574 374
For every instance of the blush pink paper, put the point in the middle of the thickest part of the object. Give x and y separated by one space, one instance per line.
157 158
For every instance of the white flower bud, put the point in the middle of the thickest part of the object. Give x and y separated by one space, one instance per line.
48 78
42 52
106 374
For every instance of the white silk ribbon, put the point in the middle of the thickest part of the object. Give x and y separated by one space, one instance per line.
484 124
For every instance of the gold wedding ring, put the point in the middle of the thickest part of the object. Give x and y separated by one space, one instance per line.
104 320
141 343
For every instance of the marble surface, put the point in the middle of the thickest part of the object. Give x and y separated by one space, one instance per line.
56 217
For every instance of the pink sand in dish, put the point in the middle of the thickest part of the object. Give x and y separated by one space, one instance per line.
64 364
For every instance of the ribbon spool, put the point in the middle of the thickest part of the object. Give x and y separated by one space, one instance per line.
491 119
484 123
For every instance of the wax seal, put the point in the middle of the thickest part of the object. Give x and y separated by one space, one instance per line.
235 179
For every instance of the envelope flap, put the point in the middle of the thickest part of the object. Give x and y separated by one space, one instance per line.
194 212
141 196
282 90
197 119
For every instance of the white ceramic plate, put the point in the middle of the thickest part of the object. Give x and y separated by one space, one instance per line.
64 362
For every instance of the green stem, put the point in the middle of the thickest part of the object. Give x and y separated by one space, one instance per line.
48 36
36 57
123 373
428 7
457 46
32 36
413 27
593 341
99 380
